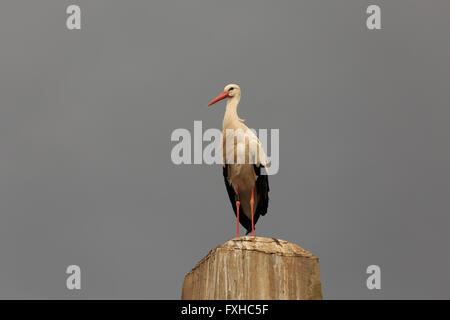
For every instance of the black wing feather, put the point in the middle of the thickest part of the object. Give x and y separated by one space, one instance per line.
261 188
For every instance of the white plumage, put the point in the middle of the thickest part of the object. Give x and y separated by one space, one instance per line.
243 157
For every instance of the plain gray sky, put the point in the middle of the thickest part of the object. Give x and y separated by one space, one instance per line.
86 118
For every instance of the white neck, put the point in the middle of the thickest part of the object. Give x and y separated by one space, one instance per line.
231 115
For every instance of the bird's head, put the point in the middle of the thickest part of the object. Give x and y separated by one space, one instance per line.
230 91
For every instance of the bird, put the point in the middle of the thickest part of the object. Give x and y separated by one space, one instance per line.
244 164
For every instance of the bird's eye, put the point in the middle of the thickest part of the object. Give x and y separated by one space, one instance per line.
231 89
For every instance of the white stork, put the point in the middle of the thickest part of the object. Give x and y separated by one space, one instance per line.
247 188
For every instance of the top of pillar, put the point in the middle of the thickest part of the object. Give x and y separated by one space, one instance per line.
261 245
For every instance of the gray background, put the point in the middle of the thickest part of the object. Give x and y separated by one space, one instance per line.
86 118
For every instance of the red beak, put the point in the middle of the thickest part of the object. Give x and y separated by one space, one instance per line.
221 96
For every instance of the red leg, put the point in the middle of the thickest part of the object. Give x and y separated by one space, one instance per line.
238 204
251 209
